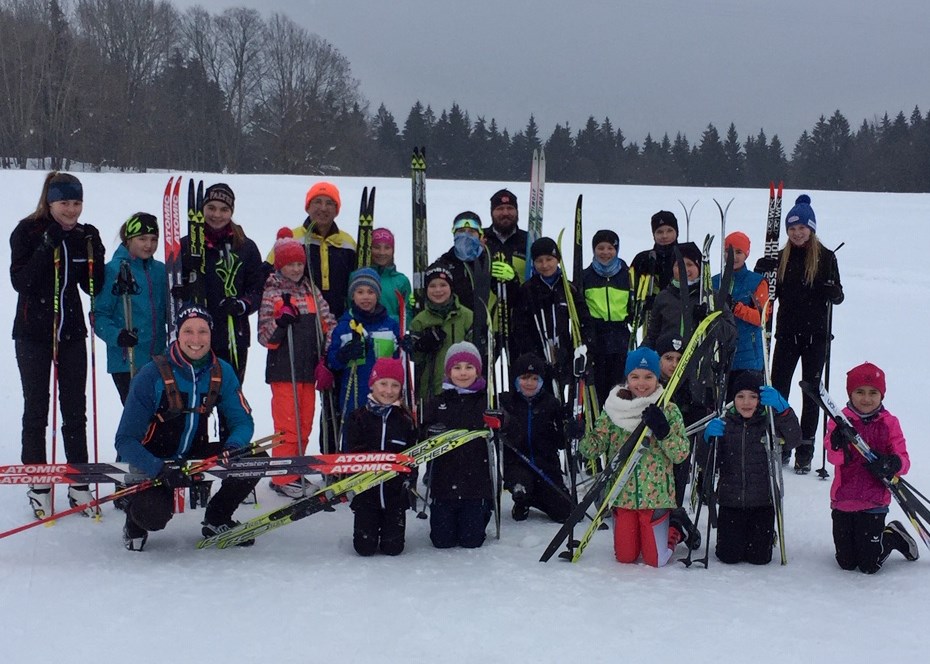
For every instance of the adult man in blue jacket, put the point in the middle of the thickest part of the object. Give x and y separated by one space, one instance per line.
164 423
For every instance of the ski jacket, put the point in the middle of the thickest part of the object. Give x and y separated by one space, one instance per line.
381 335
803 307
304 331
464 472
373 428
392 282
748 288
657 261
652 484
148 307
239 268
743 458
609 300
430 367
148 433
668 313
538 302
330 261
535 427
512 250
32 272
854 488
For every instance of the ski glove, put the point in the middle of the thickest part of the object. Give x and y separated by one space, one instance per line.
502 271
654 418
766 264
173 476
772 398
287 316
714 429
832 291
92 233
842 436
127 338
885 466
53 236
231 306
324 377
430 340
352 350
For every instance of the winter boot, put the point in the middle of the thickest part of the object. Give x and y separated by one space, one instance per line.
81 495
899 539
690 535
40 500
134 536
520 510
803 455
211 529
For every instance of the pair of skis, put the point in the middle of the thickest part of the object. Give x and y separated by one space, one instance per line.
339 492
535 215
174 263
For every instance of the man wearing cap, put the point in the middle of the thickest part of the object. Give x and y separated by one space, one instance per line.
164 424
330 251
506 247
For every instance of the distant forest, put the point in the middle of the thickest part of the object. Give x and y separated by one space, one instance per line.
135 84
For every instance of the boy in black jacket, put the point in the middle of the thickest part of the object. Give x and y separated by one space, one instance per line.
382 425
745 521
460 480
534 433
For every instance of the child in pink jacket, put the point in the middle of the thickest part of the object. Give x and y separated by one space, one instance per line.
859 498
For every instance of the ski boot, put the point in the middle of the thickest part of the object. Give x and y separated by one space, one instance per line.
899 539
81 495
40 500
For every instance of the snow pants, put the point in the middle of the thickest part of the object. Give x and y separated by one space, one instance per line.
458 522
378 529
812 353
643 532
34 359
745 534
285 420
858 539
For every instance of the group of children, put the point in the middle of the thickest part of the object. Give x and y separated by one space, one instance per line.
356 354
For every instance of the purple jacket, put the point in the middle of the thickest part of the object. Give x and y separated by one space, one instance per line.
854 488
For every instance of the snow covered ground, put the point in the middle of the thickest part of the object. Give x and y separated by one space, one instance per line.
71 592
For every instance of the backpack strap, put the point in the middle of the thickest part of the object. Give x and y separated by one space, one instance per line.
176 404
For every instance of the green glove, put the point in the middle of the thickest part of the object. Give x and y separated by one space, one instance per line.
502 271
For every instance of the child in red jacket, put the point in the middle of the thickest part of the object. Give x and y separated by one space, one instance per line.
859 498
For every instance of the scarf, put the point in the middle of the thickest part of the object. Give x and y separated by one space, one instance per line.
628 413
608 270
477 386
467 247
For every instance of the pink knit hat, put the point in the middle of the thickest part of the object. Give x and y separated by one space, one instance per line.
287 250
463 351
387 367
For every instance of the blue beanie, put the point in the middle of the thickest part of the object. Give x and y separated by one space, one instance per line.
802 213
365 276
642 358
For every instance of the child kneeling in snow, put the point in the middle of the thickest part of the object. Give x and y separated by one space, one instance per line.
460 480
746 516
382 425
859 498
642 509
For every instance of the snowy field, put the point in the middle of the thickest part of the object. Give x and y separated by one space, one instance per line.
70 592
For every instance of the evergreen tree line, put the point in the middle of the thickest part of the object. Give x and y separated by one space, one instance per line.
134 84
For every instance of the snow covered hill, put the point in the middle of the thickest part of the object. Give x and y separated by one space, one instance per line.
71 592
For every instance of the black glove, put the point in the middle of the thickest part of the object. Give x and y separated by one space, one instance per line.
127 338
574 428
654 418
53 236
436 429
885 466
92 233
407 343
700 312
353 350
430 340
231 306
766 264
832 291
842 436
181 292
173 476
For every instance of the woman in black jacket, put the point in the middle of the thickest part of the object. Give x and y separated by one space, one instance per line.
808 285
51 254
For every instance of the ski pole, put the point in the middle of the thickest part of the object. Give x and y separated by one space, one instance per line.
286 297
822 472
92 316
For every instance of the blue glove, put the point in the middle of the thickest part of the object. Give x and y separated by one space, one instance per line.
714 429
772 398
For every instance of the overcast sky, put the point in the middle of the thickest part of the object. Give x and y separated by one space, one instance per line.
660 66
